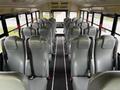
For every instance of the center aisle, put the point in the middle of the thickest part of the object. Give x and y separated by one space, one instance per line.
59 82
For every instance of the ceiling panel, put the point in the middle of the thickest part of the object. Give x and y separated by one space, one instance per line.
77 2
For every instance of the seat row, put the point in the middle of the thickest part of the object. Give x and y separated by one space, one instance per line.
93 57
27 58
30 59
104 81
86 63
74 28
44 28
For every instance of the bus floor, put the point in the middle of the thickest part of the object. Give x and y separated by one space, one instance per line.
60 72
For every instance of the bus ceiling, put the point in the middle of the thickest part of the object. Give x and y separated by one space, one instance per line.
10 6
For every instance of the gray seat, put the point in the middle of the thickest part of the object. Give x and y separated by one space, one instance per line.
39 55
44 29
53 28
53 34
67 22
40 23
92 32
84 26
27 32
40 62
80 58
105 54
105 81
45 32
13 81
73 32
35 26
17 61
14 47
66 27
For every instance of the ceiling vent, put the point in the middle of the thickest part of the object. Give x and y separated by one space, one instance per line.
59 5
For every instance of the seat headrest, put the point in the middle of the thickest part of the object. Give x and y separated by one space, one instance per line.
82 42
52 19
37 39
72 24
93 30
35 25
108 41
11 42
84 25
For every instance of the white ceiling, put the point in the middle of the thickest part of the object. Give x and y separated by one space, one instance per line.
37 3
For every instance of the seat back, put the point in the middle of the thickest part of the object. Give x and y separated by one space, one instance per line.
79 22
13 81
52 35
44 30
74 31
105 81
84 26
27 32
66 19
66 28
35 26
14 47
105 53
39 58
92 32
80 49
53 28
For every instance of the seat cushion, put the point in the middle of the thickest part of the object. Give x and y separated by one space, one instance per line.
38 84
80 83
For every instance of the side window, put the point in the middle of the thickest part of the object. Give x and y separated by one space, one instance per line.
1 32
105 32
11 23
29 19
107 22
90 17
1 43
117 35
118 26
12 26
22 20
37 15
96 19
85 16
34 16
1 28
81 14
107 25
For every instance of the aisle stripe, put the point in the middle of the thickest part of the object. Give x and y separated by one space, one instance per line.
65 66
53 79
